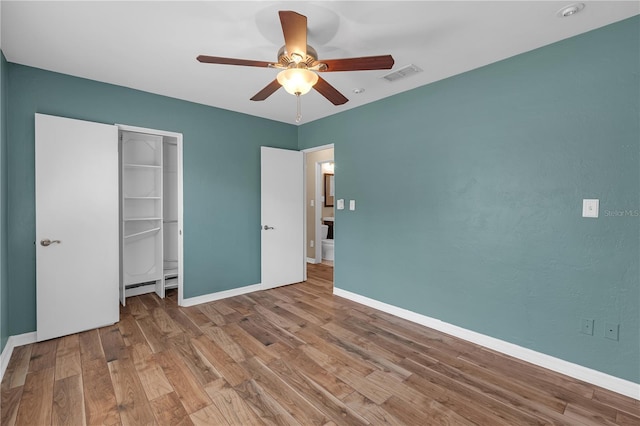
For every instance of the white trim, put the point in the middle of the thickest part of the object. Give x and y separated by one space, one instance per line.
221 295
579 372
142 289
311 260
319 148
13 342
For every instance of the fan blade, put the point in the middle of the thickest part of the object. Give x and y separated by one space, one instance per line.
232 61
330 92
269 90
383 62
294 29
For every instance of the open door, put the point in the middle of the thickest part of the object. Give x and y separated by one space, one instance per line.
77 265
282 216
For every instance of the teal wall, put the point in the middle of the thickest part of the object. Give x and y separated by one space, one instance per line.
469 195
221 177
4 289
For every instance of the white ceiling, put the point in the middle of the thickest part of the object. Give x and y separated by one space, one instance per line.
152 46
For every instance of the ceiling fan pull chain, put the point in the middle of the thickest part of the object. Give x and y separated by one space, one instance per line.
299 108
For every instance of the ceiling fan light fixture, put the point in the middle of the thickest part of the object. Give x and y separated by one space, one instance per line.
297 81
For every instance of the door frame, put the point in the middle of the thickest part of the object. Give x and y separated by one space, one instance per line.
178 137
318 201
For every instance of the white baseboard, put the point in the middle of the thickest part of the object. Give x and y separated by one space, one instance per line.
221 295
13 342
137 291
579 372
311 260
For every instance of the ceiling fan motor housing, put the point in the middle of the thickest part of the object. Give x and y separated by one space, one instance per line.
285 60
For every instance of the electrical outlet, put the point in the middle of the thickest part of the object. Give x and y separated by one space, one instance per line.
586 326
611 330
311 243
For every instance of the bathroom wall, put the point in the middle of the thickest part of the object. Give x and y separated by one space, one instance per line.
311 159
326 211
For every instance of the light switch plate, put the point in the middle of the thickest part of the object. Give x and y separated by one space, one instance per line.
590 207
340 204
352 204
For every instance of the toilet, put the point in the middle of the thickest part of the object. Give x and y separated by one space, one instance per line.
327 245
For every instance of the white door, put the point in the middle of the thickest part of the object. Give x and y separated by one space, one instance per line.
77 269
282 210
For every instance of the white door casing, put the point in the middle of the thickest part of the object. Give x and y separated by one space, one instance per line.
76 167
282 217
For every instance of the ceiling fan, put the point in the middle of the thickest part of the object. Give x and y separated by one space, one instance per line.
299 63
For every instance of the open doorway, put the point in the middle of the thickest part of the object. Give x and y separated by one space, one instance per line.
320 208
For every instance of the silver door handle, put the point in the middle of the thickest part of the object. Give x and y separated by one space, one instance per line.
47 242
266 228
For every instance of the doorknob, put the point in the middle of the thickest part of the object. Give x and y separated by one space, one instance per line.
266 228
47 242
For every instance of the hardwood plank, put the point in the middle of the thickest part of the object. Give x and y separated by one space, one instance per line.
586 417
130 332
168 410
312 335
43 355
228 368
424 379
210 312
295 404
375 414
320 375
184 322
625 419
301 313
16 372
68 357
99 397
132 402
556 384
198 364
226 343
9 402
37 395
620 402
249 343
192 396
196 316
209 415
157 340
264 405
367 350
348 375
233 408
429 413
165 323
112 343
315 394
68 401
152 378
90 346
136 308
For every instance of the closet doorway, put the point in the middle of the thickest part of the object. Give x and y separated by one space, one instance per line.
151 206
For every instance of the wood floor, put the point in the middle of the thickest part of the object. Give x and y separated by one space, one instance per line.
292 355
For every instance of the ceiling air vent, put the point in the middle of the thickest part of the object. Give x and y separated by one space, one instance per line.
401 73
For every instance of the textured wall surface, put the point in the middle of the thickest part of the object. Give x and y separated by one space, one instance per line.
221 177
483 180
